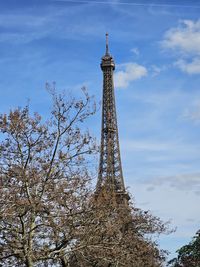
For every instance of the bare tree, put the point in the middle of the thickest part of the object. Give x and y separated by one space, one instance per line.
118 235
48 215
44 180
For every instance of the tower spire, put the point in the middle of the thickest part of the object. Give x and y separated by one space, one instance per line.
107 53
110 176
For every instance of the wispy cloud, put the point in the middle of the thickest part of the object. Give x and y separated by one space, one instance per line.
145 145
23 28
117 2
185 41
185 182
192 67
156 70
171 202
135 51
193 113
129 72
175 154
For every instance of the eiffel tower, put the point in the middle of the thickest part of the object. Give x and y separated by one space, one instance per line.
110 175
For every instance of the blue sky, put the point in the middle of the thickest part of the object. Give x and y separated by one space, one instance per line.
156 47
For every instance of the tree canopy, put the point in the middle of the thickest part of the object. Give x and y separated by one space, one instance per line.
188 255
48 215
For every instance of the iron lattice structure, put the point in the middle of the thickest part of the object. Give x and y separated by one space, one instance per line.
110 176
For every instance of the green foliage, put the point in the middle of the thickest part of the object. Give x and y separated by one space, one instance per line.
188 255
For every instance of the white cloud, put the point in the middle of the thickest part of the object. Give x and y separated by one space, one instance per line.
130 72
192 67
185 38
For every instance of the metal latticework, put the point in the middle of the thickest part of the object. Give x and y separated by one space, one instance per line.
110 174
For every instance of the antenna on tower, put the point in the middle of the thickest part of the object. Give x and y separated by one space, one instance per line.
107 53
